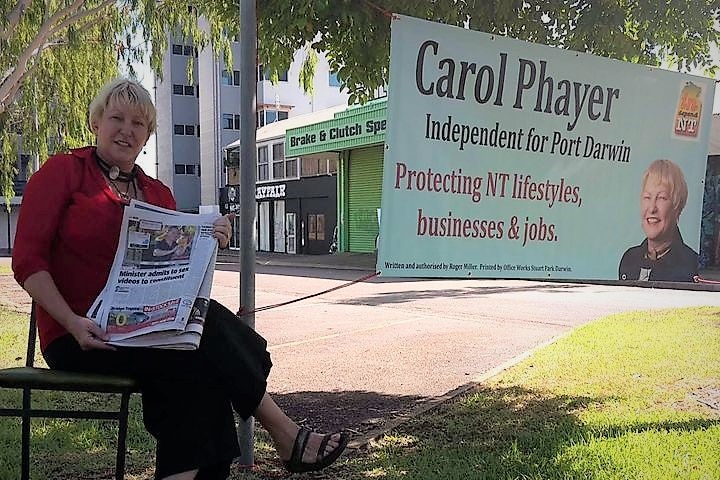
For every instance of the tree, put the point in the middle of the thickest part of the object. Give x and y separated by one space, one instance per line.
356 33
54 55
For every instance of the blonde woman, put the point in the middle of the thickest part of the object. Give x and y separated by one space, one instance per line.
662 256
67 235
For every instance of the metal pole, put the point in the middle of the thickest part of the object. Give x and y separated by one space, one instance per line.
248 169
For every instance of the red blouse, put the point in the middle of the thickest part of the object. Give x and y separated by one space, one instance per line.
69 225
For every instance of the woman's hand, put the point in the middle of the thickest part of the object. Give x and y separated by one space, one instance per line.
223 230
41 287
88 334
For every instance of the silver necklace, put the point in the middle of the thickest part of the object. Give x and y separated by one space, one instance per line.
124 196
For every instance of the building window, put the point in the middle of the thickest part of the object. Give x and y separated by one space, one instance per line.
333 80
265 75
233 157
313 166
230 78
262 161
187 50
266 116
291 168
187 169
278 153
231 121
316 226
180 129
283 167
189 90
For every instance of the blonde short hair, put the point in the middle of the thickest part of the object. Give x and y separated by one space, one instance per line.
667 172
124 91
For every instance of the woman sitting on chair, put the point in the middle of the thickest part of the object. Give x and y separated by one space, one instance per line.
67 235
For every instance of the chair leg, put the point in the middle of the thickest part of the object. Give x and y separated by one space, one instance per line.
25 442
122 434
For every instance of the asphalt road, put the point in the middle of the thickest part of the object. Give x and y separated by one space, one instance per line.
367 355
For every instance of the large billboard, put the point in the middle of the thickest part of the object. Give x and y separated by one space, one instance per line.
508 159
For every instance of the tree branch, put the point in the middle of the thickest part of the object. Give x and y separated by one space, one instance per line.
80 15
57 22
14 18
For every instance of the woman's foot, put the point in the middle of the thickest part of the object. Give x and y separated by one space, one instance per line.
313 451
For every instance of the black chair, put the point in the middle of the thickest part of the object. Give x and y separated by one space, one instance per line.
31 378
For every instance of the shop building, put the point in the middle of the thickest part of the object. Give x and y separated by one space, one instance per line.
296 197
357 136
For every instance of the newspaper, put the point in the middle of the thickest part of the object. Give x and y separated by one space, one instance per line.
158 290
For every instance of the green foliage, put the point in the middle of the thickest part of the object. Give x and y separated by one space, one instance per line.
307 72
55 54
356 33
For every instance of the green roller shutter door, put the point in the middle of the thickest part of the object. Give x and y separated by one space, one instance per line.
364 189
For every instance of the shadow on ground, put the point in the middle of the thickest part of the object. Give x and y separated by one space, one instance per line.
497 433
357 411
493 432
466 292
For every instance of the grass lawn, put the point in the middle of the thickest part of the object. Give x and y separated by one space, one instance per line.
626 397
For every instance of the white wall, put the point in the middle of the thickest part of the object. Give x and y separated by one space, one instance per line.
290 92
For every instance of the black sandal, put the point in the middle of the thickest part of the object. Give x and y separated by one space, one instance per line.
296 464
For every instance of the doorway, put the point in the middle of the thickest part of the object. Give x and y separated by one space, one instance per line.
290 232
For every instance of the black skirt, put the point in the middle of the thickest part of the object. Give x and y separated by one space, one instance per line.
188 397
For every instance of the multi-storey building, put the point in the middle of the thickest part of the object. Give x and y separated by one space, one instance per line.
198 117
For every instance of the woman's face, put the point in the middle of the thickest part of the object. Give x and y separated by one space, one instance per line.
172 235
657 213
122 132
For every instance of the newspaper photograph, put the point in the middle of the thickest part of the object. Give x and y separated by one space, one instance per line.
158 290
